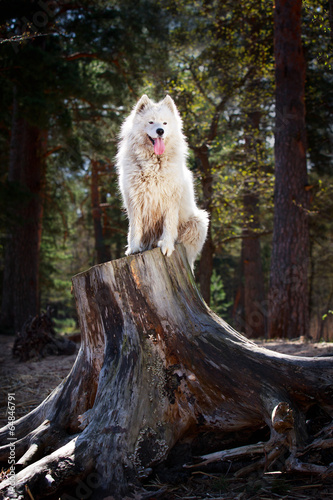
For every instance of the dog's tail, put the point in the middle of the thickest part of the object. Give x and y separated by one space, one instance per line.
193 234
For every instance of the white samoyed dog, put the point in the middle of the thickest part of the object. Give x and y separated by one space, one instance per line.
156 186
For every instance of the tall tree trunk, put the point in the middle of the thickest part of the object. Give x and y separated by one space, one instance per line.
26 172
157 368
254 320
253 285
205 268
106 227
288 296
15 167
103 253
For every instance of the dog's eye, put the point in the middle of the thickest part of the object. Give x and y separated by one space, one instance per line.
151 123
165 123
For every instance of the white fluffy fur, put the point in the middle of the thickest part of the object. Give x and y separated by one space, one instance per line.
157 189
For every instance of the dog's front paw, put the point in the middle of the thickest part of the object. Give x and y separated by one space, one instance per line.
135 246
166 246
133 249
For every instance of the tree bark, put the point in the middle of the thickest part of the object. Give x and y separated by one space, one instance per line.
254 318
103 253
288 296
20 298
158 368
8 295
205 268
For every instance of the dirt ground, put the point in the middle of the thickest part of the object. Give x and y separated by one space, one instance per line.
32 381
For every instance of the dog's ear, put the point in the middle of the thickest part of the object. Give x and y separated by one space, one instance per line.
143 103
168 101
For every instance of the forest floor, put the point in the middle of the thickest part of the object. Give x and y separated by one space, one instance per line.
33 380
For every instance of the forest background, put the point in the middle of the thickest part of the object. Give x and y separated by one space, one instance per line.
71 72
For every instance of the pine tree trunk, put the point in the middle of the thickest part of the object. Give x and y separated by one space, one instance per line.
156 369
254 295
254 319
288 296
15 160
205 268
102 251
26 173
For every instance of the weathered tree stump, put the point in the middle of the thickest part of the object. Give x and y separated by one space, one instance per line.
156 368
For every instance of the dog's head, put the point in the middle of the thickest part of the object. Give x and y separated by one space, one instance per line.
158 122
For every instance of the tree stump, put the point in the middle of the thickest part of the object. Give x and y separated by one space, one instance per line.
157 368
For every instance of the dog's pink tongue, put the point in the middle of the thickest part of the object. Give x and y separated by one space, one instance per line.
159 146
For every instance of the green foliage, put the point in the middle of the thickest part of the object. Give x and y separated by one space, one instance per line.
326 315
229 216
318 48
222 70
219 300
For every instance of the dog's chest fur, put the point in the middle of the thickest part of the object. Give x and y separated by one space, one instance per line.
153 185
153 181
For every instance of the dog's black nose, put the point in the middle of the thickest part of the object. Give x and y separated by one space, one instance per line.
159 131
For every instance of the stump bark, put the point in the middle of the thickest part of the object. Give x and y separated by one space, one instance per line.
157 369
